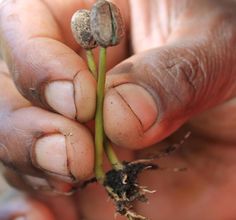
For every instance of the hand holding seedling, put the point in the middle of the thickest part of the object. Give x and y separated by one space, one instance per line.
104 26
178 62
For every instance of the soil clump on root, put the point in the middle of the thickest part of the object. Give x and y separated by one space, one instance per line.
123 188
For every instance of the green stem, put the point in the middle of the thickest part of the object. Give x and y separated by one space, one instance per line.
91 63
99 129
112 157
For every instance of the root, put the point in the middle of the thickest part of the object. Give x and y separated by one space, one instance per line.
122 184
123 188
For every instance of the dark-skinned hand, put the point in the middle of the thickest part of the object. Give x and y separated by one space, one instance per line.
174 72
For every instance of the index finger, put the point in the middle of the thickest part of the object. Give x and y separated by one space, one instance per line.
45 70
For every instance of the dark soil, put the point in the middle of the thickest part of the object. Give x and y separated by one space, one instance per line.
123 188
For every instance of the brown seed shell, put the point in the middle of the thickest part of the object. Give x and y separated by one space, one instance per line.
106 23
80 26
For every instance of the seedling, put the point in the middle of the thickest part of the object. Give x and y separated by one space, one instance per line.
103 26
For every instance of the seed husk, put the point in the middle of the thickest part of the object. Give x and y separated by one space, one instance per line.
80 26
106 24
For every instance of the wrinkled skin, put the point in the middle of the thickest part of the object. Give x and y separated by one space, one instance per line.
181 78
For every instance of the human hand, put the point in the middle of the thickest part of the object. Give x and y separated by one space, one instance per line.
56 79
185 76
44 150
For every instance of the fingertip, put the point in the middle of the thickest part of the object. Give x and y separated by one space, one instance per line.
85 96
129 112
52 145
74 99
80 154
120 124
55 77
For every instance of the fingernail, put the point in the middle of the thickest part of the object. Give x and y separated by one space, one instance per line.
37 183
51 155
140 102
60 96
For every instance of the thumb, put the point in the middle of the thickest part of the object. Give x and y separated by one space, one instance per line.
153 93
